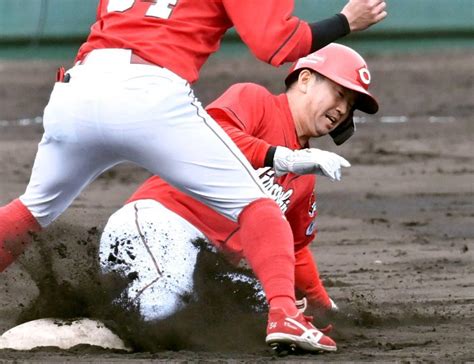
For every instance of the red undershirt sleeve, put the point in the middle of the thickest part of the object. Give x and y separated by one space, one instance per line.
307 279
240 112
253 148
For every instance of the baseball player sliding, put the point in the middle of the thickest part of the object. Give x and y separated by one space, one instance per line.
151 238
128 98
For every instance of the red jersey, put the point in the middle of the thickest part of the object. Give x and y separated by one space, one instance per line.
181 34
255 120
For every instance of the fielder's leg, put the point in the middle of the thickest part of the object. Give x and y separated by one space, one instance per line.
16 226
70 155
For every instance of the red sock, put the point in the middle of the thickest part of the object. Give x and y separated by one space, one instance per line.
268 246
16 224
285 303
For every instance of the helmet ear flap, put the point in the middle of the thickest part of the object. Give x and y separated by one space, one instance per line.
344 130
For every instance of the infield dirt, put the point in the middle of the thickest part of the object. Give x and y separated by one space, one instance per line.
395 244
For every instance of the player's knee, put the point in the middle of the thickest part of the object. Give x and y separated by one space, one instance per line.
261 208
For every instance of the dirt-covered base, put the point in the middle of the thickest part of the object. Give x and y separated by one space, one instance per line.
395 246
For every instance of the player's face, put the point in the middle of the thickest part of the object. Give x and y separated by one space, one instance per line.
327 104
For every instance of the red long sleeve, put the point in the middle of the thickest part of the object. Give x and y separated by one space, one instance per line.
254 149
307 279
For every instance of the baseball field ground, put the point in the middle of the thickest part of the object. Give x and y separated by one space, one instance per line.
395 244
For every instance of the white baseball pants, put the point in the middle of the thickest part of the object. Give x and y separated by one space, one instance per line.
153 247
112 111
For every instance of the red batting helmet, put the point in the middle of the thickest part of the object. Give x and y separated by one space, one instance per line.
346 67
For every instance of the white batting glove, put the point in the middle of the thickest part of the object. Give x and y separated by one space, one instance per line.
308 161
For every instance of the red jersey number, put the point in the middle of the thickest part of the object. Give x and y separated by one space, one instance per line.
160 9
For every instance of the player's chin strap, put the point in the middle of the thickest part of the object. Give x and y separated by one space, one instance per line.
344 131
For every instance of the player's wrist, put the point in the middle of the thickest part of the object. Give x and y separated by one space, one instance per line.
269 157
328 30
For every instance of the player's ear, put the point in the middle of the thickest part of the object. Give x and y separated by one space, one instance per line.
304 79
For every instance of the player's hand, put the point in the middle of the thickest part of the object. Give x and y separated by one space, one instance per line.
361 14
305 304
325 316
309 161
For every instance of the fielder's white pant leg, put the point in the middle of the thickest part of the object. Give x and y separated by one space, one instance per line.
153 246
70 155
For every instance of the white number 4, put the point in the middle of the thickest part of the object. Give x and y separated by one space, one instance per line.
160 9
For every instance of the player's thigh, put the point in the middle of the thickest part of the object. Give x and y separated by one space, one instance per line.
151 246
70 155
186 147
61 170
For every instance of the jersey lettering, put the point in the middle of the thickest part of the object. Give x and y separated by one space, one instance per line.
311 228
160 9
277 192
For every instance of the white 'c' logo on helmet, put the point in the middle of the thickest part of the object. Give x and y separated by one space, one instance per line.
364 75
